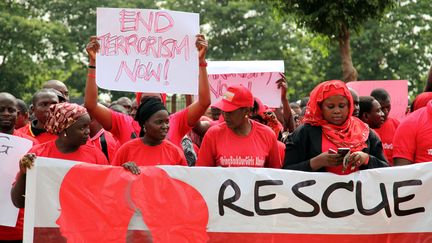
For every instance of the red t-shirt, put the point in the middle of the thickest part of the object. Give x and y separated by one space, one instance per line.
112 145
413 140
125 128
85 153
222 147
386 133
22 135
41 138
136 151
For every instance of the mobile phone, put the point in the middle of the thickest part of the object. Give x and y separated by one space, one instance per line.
343 151
332 151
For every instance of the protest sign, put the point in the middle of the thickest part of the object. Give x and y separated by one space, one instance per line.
397 89
88 203
147 50
12 148
258 76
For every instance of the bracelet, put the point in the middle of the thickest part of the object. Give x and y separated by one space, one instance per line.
203 64
90 75
93 67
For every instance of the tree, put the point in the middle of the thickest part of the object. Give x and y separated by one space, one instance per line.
335 19
27 52
249 30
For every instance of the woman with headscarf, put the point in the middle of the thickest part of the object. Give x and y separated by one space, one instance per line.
151 148
70 122
328 126
239 141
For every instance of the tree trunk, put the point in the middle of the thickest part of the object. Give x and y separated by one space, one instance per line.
174 103
348 70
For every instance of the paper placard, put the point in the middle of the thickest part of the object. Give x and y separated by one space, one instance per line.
147 50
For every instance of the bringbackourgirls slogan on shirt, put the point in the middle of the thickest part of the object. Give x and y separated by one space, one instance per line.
147 50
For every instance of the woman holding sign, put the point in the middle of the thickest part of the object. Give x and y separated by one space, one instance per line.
71 123
151 148
331 139
122 126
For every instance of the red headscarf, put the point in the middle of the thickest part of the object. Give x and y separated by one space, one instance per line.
138 96
63 115
353 133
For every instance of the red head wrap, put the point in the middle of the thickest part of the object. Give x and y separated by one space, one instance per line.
353 133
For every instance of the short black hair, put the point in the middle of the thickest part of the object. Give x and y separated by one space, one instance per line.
294 104
304 101
380 94
22 106
42 92
366 104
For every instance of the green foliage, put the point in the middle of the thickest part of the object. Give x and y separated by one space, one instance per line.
395 47
249 30
43 40
328 17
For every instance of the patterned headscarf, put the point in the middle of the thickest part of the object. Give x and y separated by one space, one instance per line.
353 133
63 115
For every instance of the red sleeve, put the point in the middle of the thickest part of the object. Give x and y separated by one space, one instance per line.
274 157
205 157
404 140
182 157
179 126
123 126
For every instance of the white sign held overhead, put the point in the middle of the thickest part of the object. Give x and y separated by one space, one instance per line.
147 50
258 76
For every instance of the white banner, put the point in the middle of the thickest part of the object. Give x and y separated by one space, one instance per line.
147 50
89 202
12 148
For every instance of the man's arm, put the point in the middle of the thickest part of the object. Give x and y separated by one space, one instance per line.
401 161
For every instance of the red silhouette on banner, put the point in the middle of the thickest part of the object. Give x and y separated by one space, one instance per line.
98 202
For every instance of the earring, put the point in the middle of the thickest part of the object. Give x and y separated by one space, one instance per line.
64 135
246 116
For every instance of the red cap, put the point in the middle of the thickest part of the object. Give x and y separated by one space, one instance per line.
261 107
236 96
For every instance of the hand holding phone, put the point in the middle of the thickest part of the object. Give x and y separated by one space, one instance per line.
345 152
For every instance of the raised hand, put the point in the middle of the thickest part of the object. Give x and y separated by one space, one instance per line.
92 48
202 45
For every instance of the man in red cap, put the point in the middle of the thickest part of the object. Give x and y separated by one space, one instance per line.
239 141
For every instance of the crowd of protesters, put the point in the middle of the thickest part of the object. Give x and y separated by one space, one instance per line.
238 131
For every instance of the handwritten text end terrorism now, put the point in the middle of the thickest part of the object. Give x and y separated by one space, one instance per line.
147 50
